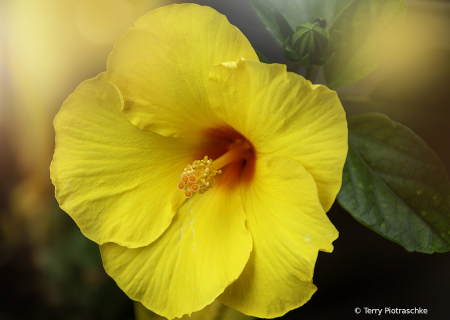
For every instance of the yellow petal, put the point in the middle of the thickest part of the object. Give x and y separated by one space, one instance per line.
215 310
204 250
288 226
282 113
115 180
161 66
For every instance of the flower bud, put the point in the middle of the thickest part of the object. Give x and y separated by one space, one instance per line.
310 42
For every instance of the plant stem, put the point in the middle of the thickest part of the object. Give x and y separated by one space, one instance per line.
311 73
292 66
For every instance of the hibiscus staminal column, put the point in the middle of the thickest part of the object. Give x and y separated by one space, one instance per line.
198 176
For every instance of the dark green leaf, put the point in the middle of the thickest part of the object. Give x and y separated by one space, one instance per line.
340 7
289 54
281 17
285 29
325 60
303 11
295 12
261 56
396 185
323 9
367 27
266 12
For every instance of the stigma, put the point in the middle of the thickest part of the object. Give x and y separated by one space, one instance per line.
198 177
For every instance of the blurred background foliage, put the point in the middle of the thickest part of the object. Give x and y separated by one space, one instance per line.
48 270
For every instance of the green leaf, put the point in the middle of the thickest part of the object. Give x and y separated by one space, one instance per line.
303 11
323 9
394 184
367 28
340 6
265 10
261 56
295 12
281 17
285 28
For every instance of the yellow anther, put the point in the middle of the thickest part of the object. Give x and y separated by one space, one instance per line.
197 177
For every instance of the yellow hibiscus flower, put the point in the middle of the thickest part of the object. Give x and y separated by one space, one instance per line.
182 84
